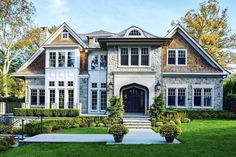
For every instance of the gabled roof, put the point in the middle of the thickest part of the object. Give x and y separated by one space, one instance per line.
99 33
123 33
49 40
178 28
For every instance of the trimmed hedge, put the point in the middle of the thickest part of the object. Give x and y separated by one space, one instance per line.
46 112
205 114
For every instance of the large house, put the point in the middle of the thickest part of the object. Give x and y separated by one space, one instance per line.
82 71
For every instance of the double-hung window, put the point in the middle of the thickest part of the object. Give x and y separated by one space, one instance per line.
37 97
52 59
202 96
70 59
177 96
177 57
134 56
61 59
124 56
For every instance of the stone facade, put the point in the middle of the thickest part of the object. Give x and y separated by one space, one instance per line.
83 94
215 81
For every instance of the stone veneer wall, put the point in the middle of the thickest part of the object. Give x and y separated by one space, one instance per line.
113 65
83 94
32 82
216 81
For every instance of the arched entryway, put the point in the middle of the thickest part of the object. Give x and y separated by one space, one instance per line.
134 98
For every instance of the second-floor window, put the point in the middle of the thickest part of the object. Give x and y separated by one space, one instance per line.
61 59
177 57
98 62
134 56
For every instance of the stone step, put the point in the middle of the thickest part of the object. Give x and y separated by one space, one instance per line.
137 124
139 127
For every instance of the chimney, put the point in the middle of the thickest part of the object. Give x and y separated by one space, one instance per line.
44 34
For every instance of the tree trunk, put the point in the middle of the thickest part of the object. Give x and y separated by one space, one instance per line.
5 87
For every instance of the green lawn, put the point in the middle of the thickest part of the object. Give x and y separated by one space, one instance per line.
90 130
201 138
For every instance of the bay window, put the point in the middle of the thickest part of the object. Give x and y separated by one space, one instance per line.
61 59
134 56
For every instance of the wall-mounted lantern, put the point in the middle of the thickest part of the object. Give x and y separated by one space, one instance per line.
157 86
110 86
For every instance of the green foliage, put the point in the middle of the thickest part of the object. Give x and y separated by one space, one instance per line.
10 139
157 108
185 120
118 129
229 92
116 108
46 112
209 114
4 145
170 130
209 26
6 129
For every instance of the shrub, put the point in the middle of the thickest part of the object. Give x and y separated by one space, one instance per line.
157 108
118 129
177 121
46 112
210 114
6 129
11 140
116 108
229 89
172 122
185 120
169 130
4 145
158 124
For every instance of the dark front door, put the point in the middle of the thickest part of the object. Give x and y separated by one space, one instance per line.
134 100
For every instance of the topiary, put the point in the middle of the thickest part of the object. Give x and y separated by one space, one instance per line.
116 108
157 109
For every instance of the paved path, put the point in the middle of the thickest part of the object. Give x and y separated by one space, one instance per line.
135 136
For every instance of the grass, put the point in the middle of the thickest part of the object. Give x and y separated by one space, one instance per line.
201 138
89 130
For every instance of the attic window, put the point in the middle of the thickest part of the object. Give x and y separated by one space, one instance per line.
65 35
134 32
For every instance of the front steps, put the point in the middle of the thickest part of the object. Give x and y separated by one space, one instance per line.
137 122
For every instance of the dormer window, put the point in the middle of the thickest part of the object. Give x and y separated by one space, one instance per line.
64 35
134 32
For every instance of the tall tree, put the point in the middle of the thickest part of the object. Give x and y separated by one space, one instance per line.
15 21
209 26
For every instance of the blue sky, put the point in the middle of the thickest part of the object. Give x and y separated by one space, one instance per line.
154 16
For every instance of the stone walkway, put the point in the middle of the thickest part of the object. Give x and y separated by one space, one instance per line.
135 136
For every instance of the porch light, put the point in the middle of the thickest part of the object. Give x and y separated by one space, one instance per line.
110 85
157 86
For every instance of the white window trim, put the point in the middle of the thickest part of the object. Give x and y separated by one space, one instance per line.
57 58
134 36
36 87
202 87
67 34
176 87
176 57
129 57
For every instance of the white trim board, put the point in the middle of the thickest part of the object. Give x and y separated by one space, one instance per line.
49 40
178 28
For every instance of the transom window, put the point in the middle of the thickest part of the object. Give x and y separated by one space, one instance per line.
134 56
203 97
61 83
177 57
103 85
94 85
51 83
134 32
70 83
176 97
98 62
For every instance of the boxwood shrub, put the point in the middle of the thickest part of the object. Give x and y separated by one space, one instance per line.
46 112
205 114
